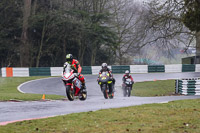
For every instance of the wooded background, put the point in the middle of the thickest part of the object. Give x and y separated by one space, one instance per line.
39 33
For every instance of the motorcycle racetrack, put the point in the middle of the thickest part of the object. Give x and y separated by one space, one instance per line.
18 111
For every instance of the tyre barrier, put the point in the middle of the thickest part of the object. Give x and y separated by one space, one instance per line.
190 86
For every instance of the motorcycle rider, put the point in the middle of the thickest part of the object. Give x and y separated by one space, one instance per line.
127 76
106 69
77 69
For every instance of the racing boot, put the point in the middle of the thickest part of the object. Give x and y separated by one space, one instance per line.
83 88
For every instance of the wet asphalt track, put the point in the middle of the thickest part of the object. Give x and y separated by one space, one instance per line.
17 111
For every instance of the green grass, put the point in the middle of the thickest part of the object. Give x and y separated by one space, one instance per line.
154 88
174 117
8 90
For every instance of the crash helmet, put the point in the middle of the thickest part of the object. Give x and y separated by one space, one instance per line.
127 72
104 66
69 58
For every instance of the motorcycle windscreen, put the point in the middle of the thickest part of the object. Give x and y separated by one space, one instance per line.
104 79
128 82
68 68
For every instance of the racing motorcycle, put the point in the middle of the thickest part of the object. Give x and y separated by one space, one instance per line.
106 85
73 84
127 87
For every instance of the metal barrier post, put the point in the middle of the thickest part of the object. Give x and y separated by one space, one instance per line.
177 86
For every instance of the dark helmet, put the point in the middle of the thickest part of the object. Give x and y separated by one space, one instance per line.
104 66
69 58
127 72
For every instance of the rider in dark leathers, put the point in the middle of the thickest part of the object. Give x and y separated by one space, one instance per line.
106 69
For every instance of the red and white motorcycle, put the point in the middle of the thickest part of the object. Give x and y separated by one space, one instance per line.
73 84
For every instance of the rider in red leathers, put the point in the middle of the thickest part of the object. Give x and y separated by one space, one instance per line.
127 76
77 69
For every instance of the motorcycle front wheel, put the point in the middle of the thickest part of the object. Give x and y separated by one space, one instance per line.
125 91
105 91
70 93
111 92
83 96
129 91
111 96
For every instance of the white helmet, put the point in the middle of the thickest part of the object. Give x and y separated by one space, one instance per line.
104 65
127 72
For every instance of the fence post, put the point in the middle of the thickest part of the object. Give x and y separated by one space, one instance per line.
177 86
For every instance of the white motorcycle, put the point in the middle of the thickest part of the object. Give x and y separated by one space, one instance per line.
73 84
127 87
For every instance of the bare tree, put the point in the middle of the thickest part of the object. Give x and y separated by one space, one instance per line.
24 48
130 26
191 18
166 28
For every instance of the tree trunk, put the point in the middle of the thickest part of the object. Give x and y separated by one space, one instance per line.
64 50
81 53
198 47
41 44
93 57
34 7
120 56
24 48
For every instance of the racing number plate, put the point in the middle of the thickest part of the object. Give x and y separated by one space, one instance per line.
104 78
78 83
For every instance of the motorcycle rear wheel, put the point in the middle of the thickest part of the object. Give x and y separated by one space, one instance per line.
70 93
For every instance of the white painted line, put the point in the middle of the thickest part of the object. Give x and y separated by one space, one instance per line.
18 88
8 122
164 102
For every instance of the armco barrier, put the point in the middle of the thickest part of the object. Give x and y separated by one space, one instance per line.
3 72
173 68
120 69
9 72
86 70
96 69
156 68
20 72
56 71
197 68
188 86
40 71
0 73
138 68
188 68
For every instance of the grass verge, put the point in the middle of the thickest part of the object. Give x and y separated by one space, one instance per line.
154 88
178 116
8 90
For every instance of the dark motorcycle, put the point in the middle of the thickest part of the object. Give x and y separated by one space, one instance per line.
127 87
73 84
106 85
